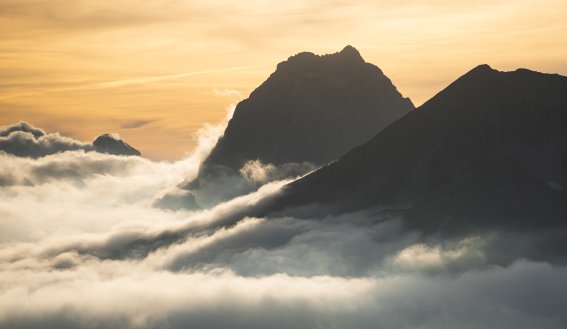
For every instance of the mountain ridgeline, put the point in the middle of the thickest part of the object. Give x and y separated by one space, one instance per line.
488 151
309 112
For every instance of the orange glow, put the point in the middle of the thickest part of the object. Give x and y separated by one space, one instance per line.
155 71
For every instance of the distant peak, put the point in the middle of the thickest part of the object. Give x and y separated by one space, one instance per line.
113 144
107 136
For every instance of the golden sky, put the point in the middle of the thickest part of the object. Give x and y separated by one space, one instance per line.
155 71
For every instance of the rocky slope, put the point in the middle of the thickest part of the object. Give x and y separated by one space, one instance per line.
489 150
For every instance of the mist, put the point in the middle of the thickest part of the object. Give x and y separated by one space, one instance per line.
84 245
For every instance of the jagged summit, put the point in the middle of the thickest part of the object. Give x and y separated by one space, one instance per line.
311 61
312 109
309 101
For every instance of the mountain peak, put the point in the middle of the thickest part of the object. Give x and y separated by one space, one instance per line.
350 52
310 111
106 137
483 67
482 70
112 144
314 96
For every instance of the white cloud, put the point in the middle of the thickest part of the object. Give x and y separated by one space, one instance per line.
257 172
134 81
25 140
127 295
81 246
422 257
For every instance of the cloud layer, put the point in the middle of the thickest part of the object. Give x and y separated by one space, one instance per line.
82 246
25 140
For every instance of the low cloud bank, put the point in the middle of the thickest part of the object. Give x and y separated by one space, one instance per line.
82 246
25 140
102 295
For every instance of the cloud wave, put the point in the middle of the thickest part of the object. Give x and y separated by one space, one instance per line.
25 140
83 246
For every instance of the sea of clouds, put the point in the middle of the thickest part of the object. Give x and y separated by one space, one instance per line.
83 245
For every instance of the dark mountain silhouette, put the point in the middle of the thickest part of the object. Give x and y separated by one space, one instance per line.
108 143
312 109
488 151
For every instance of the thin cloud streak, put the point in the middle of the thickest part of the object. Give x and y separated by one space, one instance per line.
127 82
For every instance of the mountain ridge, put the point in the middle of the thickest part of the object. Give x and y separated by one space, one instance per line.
488 137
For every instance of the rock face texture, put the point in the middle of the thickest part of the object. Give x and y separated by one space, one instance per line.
312 109
489 150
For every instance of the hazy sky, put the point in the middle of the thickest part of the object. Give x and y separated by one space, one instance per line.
155 71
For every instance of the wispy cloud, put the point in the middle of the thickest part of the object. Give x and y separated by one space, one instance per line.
227 92
82 247
126 82
133 124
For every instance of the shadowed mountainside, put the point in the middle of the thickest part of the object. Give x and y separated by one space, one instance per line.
489 150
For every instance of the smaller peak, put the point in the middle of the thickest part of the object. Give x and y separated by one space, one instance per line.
107 136
304 55
348 49
113 144
483 68
350 52
482 71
